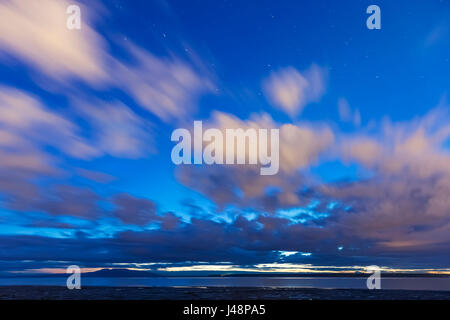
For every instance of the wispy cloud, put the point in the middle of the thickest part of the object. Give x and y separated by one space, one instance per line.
36 33
346 114
167 87
243 184
290 90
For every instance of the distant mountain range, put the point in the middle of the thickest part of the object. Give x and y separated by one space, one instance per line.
119 273
103 273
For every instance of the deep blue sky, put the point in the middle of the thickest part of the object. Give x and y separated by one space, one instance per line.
86 118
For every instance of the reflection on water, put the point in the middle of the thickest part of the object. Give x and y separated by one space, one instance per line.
286 282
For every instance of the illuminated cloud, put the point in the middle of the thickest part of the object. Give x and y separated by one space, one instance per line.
287 253
300 146
31 123
116 130
414 147
405 205
36 33
29 129
167 87
290 90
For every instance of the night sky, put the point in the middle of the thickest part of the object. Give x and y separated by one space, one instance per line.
86 118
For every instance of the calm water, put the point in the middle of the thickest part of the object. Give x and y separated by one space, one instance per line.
442 284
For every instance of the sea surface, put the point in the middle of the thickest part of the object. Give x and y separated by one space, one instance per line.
403 283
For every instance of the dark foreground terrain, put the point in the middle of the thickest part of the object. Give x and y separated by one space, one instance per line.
210 293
